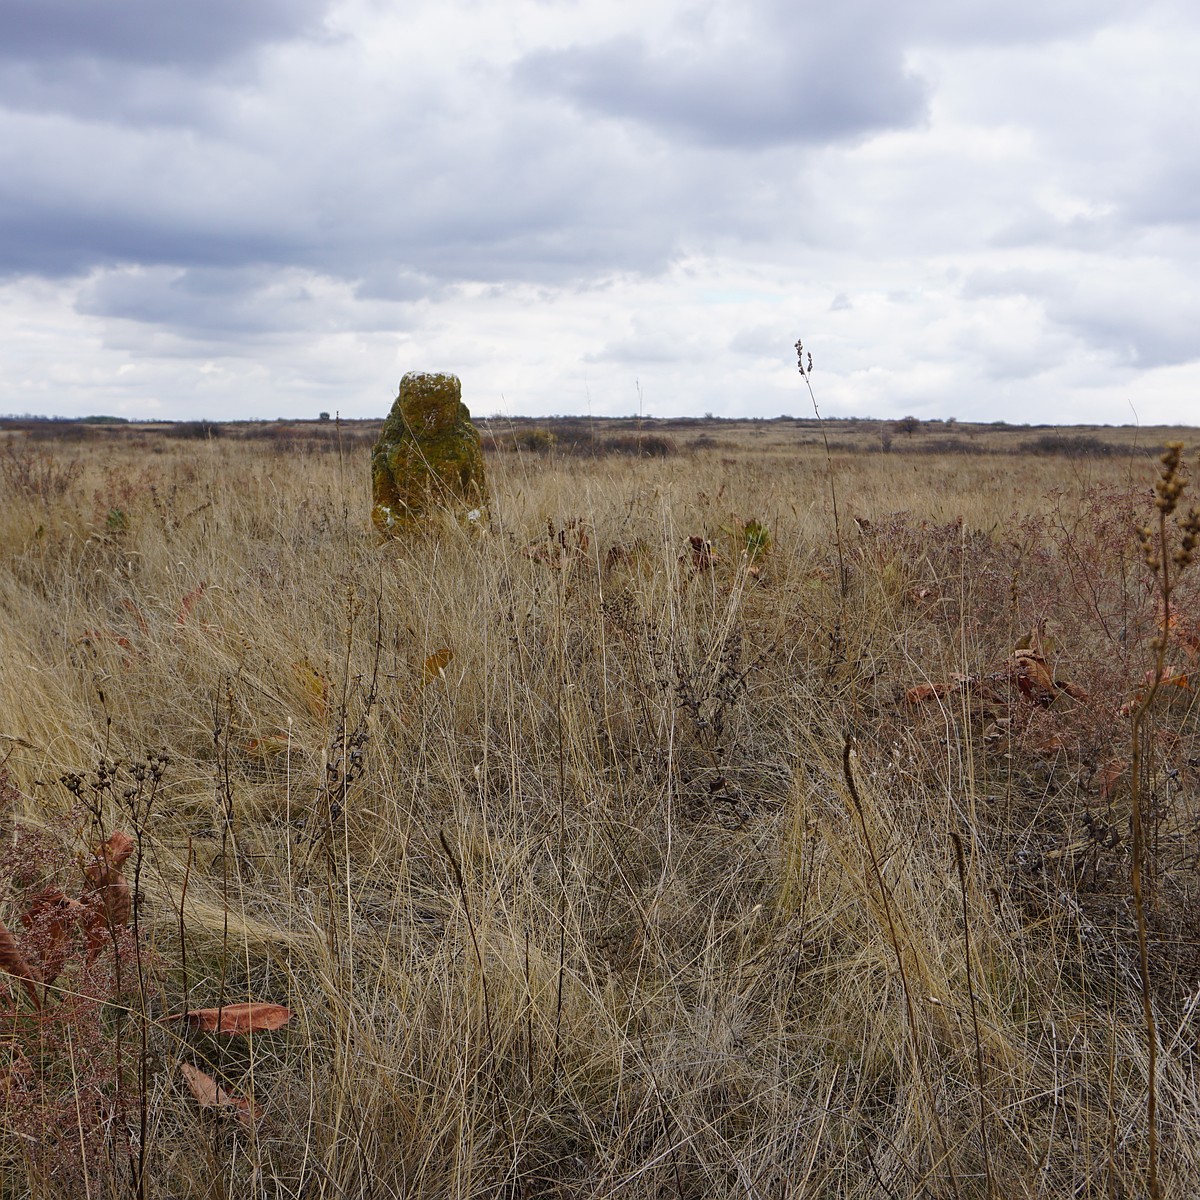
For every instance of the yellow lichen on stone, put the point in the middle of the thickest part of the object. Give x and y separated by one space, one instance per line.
428 456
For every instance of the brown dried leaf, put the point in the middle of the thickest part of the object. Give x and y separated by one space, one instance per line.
435 665
112 902
210 1094
269 744
117 849
111 898
12 962
251 1017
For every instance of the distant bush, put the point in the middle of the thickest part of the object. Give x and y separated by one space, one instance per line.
576 438
535 441
1070 446
200 430
283 438
60 431
637 445
955 445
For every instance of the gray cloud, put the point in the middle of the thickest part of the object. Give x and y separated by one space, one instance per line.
1128 333
1020 22
150 32
204 304
798 84
790 71
139 63
1105 310
58 239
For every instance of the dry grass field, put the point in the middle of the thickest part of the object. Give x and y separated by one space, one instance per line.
661 837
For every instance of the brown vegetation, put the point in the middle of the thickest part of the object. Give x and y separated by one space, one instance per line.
632 845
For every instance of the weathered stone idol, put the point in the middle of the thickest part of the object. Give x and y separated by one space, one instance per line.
427 457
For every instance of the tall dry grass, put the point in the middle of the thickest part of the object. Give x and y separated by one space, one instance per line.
604 851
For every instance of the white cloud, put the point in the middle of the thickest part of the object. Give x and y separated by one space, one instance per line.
965 209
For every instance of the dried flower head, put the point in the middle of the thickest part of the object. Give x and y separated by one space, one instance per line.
1170 483
1190 527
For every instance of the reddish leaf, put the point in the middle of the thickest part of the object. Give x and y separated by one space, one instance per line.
923 693
112 901
189 602
210 1094
236 1018
1169 677
111 898
12 962
117 849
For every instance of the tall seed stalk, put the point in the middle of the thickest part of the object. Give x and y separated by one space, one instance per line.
1155 541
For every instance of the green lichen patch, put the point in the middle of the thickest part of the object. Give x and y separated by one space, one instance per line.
428 456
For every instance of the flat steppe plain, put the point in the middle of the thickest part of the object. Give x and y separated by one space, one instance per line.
740 809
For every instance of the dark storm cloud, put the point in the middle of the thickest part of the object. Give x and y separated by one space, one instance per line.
150 32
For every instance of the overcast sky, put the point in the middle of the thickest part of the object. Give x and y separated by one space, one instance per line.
260 208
